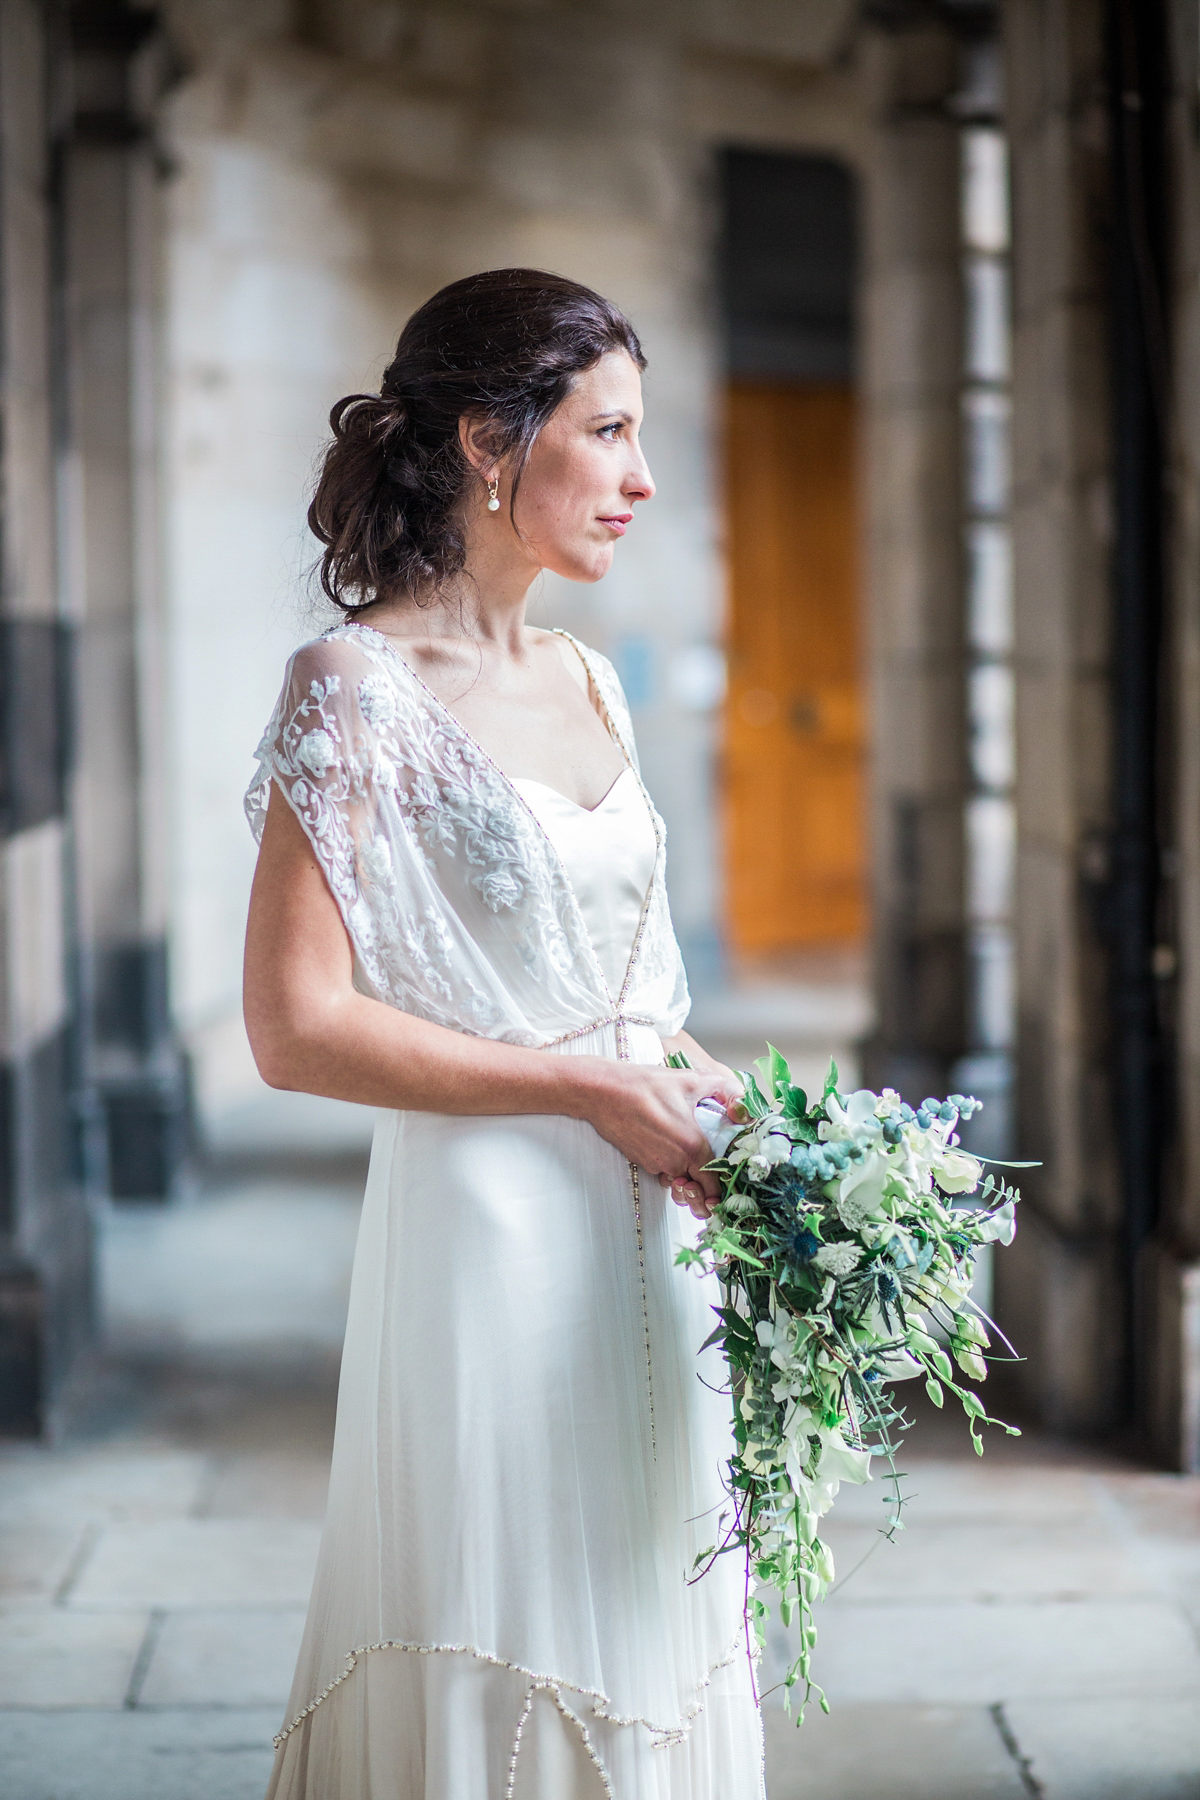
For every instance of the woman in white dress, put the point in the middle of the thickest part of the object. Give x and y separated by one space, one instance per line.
459 917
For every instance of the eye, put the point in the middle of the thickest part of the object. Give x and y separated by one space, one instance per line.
610 433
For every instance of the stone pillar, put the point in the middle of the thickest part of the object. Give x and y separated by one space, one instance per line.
45 1235
1174 1272
912 338
1059 1290
111 198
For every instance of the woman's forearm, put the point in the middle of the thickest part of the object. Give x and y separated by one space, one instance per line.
350 1047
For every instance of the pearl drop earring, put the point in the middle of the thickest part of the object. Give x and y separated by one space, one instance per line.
493 488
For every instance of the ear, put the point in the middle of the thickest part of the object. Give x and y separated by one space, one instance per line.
475 439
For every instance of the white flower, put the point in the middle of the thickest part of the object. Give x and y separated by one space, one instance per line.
740 1205
375 860
377 699
768 1142
757 1168
958 1173
499 887
839 1462
1000 1227
776 1146
838 1260
859 1192
316 750
970 1361
856 1119
718 1129
972 1330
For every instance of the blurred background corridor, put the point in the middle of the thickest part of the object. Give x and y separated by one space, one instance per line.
911 637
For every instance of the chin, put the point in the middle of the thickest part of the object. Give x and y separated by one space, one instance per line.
590 566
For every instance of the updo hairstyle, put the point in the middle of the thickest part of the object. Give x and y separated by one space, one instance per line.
503 347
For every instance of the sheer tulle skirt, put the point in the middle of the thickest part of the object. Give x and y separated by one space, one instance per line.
526 1466
410 1727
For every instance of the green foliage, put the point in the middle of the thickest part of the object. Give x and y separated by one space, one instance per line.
842 1264
754 1100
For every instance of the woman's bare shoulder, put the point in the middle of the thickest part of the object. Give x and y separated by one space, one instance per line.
562 645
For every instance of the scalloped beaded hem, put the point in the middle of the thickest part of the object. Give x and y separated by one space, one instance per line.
664 1736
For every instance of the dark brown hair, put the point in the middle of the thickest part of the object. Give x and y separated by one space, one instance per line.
504 347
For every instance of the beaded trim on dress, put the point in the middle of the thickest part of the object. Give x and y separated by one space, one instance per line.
664 1736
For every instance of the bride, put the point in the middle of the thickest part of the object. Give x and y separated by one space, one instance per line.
459 917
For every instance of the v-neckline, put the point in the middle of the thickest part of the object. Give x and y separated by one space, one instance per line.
575 805
507 781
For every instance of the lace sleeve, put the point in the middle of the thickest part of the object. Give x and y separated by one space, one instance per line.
325 750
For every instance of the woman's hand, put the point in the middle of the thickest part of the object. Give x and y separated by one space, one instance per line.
648 1113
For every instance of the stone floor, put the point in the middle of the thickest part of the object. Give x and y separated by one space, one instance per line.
1034 1631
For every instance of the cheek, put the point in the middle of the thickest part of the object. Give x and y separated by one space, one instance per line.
560 525
562 495
567 488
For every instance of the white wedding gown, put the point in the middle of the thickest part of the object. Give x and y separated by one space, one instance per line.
527 1461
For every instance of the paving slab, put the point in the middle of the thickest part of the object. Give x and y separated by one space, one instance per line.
978 1489
1159 1506
196 1755
53 1658
223 1659
889 1753
1124 1749
291 1484
203 1563
948 1559
111 1481
36 1557
963 1655
264 1264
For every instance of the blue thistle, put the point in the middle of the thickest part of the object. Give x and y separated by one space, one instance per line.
801 1246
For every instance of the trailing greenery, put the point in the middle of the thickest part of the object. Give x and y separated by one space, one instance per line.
845 1243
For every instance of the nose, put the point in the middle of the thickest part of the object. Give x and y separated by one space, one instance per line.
639 483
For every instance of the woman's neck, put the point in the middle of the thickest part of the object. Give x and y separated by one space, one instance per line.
484 603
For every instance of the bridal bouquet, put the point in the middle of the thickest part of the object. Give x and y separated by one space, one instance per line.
845 1243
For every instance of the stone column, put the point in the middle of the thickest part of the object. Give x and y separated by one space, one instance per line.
45 1234
912 338
1174 1273
1059 1290
111 200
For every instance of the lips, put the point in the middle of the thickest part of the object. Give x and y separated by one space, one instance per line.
617 522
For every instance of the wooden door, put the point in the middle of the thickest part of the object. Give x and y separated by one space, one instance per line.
794 732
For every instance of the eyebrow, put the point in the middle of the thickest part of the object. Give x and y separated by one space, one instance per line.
615 413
